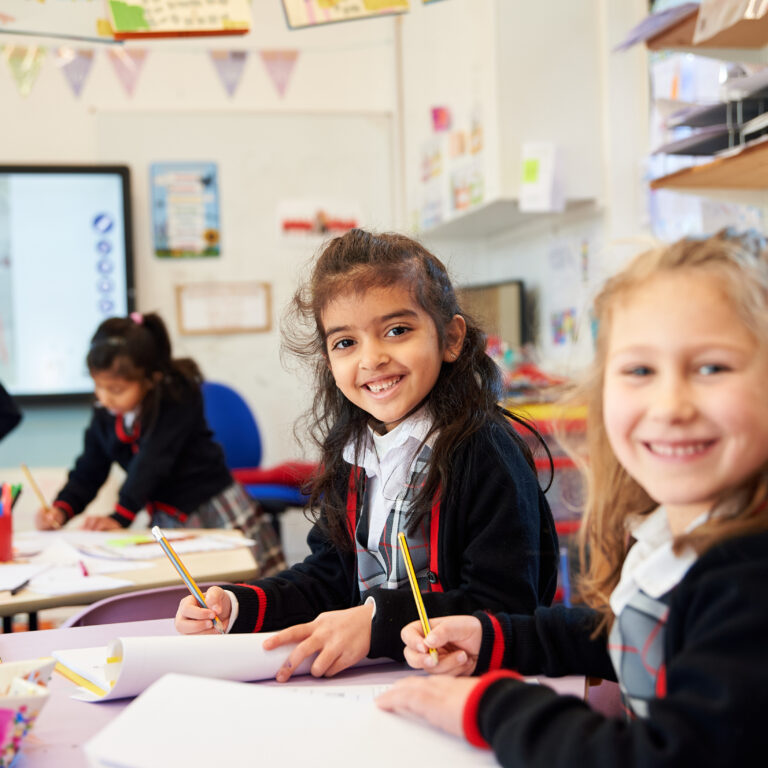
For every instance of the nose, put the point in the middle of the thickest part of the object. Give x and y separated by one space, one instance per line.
373 355
104 398
672 399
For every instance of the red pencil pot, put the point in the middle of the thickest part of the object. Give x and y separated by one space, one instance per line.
6 538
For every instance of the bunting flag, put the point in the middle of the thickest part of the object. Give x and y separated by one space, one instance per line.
24 63
75 65
127 63
229 67
279 65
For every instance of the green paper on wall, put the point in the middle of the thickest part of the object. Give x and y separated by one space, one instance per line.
530 170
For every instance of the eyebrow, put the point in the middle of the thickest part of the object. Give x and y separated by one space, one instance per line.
383 319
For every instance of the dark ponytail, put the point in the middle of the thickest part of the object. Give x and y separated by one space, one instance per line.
138 347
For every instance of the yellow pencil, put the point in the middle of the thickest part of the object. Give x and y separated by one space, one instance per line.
39 494
185 574
415 589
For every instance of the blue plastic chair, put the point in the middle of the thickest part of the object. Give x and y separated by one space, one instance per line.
234 427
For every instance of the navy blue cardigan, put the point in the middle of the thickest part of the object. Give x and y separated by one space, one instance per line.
175 466
496 549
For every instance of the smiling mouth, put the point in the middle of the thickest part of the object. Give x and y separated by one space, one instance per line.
679 450
377 387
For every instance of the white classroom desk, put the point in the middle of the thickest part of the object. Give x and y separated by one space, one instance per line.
230 565
65 724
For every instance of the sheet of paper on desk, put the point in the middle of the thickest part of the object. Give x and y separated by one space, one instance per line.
266 726
69 580
137 549
13 575
62 553
145 659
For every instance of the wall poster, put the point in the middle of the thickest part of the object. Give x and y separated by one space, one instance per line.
185 210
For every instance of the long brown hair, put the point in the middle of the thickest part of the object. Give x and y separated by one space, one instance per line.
463 399
740 262
138 348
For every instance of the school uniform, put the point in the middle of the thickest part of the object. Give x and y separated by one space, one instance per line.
489 541
175 470
688 647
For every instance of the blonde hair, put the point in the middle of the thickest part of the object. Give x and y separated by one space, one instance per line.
740 262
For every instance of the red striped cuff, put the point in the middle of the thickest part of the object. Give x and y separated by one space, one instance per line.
469 716
497 651
262 596
124 513
65 508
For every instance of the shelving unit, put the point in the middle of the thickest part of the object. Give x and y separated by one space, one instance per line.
749 37
746 170
739 169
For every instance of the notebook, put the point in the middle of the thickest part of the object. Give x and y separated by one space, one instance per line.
197 723
127 665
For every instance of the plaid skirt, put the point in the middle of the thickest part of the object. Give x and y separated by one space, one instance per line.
233 508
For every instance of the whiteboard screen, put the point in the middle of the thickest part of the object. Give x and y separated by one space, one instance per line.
65 265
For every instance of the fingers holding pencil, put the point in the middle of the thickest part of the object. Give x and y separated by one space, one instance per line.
192 619
46 518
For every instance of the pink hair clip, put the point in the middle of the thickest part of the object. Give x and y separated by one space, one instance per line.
137 317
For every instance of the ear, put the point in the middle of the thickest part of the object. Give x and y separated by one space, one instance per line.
455 333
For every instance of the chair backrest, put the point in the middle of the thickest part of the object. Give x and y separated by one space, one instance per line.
233 423
160 603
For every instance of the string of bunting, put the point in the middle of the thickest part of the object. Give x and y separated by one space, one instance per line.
75 64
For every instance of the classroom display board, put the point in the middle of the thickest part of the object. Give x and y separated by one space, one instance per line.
65 265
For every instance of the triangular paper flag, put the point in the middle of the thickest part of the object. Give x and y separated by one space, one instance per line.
25 63
229 66
75 65
279 65
127 63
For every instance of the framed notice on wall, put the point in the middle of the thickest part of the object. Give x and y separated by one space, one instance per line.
222 308
185 210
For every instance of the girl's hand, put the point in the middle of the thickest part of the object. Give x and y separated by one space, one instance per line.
191 619
340 638
47 520
100 523
456 638
438 700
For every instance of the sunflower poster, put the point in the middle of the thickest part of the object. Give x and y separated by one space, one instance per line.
185 210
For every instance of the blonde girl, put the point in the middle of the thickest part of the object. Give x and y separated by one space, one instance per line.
675 534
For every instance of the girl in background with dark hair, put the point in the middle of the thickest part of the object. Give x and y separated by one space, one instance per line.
411 439
149 419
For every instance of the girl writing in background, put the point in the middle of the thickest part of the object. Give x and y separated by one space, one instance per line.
412 439
149 419
676 535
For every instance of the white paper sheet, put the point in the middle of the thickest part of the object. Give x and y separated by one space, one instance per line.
69 580
13 575
146 659
189 721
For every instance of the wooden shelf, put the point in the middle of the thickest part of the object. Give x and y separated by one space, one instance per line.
746 170
748 33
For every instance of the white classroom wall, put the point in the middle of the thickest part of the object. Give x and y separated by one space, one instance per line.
335 133
329 137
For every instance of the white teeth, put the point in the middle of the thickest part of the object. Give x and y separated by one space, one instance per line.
664 449
380 386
